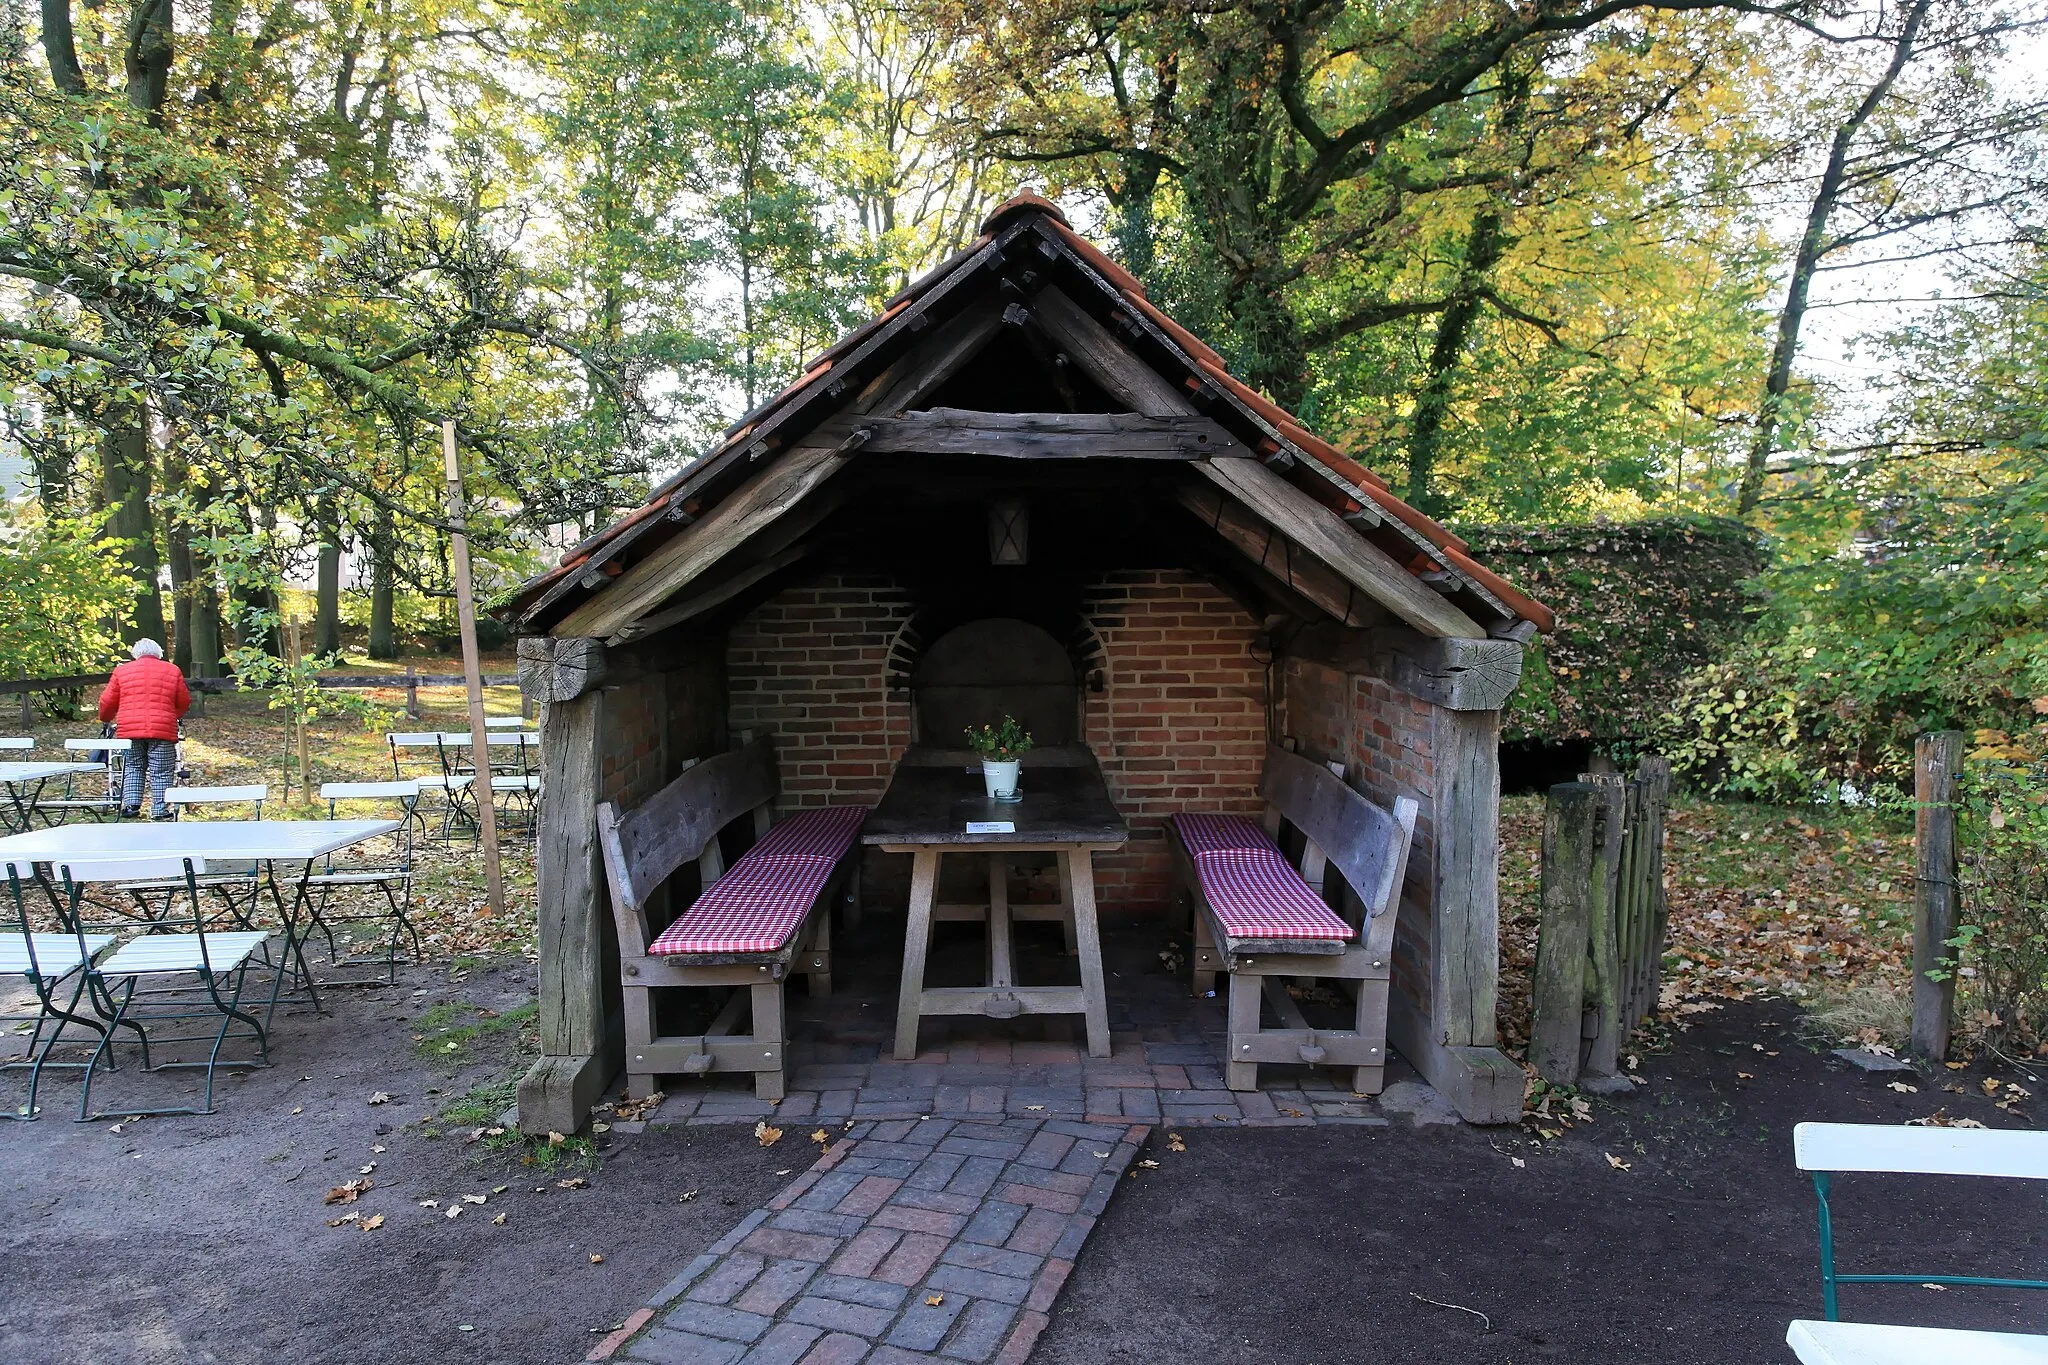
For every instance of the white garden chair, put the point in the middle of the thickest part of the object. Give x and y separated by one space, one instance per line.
1830 1149
389 878
46 961
180 972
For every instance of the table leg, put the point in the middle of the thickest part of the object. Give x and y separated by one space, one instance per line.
1002 972
917 934
1079 865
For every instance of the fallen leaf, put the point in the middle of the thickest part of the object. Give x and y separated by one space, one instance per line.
1745 1075
377 1147
373 1222
296 1109
1616 1162
349 1193
1149 1164
1991 1084
785 1172
499 1189
499 1221
1936 1287
1034 1107
934 1300
600 1127
452 1211
596 1259
475 1199
821 1137
344 1219
686 1196
556 1139
1174 1143
430 1203
1902 1087
1519 1163
767 1135
379 1098
366 1169
574 1182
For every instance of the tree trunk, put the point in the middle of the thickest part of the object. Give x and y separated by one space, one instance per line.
178 540
327 608
125 485
1771 411
383 635
1454 325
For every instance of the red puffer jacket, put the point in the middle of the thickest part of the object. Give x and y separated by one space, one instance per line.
145 698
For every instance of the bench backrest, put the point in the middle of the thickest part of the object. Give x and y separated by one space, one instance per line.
680 824
1367 845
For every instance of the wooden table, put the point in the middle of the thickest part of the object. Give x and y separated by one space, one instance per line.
1066 811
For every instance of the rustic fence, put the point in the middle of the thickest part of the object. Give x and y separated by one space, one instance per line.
1600 947
409 681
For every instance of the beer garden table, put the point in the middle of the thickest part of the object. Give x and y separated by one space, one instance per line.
936 805
25 781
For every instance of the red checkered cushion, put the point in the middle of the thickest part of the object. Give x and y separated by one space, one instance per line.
753 908
1207 833
821 832
1256 894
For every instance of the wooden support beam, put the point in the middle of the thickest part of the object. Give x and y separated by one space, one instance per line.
558 668
1050 435
1323 533
1465 938
581 1047
1558 992
1279 557
1104 358
769 494
921 372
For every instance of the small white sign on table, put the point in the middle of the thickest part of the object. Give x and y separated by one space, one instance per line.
991 826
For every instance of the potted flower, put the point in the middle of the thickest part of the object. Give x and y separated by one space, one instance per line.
1001 747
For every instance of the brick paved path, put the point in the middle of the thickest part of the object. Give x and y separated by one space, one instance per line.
910 1240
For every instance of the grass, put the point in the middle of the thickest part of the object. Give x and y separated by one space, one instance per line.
447 1030
481 1107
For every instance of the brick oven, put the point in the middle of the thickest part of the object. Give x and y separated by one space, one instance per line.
1023 487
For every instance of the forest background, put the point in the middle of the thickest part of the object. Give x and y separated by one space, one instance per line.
1538 264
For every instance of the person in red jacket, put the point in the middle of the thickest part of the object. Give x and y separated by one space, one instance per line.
146 698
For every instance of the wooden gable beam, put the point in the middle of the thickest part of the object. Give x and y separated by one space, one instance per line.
765 497
1323 534
1279 558
1050 435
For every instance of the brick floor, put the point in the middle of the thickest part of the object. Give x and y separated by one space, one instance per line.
881 1276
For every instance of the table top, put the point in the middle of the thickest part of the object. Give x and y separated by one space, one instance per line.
36 771
932 803
1874 1343
259 840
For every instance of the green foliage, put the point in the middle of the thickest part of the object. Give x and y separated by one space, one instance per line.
1640 605
62 586
2002 943
1001 742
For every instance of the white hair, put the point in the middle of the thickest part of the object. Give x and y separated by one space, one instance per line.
147 648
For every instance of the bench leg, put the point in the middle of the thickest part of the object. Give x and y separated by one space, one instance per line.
1371 1023
917 933
638 1005
819 978
769 1077
1205 957
1246 993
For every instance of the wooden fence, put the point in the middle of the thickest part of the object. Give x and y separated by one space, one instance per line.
411 682
1601 944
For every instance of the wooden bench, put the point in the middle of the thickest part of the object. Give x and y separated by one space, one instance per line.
749 929
1828 1149
1263 919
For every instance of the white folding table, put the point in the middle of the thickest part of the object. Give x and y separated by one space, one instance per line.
268 842
24 782
1874 1343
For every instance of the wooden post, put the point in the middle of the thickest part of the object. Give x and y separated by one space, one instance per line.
412 693
28 711
472 670
1601 1026
1937 763
294 656
1558 993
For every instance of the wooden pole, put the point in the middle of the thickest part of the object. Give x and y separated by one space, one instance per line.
295 656
1937 762
1558 1002
472 672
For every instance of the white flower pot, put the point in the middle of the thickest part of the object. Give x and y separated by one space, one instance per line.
1001 778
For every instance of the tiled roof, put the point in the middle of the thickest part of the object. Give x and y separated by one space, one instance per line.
1336 479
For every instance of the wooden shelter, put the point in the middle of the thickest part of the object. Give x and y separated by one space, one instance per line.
1024 486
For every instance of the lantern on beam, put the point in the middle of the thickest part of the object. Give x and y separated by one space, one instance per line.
1009 531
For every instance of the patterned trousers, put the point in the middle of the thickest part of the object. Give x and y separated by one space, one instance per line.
157 761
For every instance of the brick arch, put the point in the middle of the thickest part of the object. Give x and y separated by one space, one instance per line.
924 625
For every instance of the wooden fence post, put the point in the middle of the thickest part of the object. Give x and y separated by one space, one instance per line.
412 693
1558 993
1937 763
1602 1027
28 711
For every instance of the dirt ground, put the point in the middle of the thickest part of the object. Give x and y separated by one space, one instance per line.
207 1239
1310 1246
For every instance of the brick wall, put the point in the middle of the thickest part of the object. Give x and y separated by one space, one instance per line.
1385 739
1181 723
809 667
